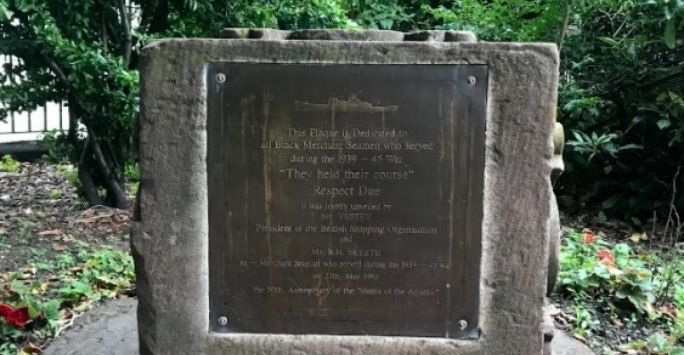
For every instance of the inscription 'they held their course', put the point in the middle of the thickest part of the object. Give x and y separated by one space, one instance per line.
338 163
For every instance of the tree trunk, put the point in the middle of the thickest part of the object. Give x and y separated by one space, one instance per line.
88 186
95 170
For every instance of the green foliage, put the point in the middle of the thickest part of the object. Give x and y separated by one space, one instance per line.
491 20
55 194
657 343
9 165
622 99
71 174
384 15
132 175
594 270
623 281
621 85
132 172
25 228
85 52
206 18
66 38
584 321
500 20
76 283
59 147
597 145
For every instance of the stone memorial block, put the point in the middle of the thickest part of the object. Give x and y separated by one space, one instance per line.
344 192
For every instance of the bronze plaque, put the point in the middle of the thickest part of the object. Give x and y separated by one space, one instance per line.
345 199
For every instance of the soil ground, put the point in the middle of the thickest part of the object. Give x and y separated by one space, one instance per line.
41 217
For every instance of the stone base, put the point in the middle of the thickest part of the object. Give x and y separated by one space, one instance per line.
112 330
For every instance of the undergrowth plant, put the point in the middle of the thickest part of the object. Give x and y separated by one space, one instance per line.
592 269
624 281
9 165
33 309
621 96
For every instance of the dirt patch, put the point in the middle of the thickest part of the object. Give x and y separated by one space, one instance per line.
41 217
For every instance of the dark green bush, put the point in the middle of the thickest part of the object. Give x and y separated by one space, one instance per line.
621 99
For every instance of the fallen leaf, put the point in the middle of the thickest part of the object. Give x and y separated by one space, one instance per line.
552 310
638 237
59 247
44 287
30 349
668 310
579 337
50 232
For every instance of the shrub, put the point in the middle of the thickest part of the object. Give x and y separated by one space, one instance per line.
592 269
9 165
621 98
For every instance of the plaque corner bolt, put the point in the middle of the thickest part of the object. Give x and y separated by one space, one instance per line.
220 78
472 80
223 320
462 324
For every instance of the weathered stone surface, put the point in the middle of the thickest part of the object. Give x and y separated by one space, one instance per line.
428 35
555 232
441 36
254 33
170 240
111 329
347 35
459 36
564 344
235 33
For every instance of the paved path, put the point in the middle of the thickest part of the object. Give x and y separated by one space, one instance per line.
112 330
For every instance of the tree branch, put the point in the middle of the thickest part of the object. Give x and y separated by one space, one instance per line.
660 80
103 29
113 186
87 184
564 25
55 68
128 40
52 64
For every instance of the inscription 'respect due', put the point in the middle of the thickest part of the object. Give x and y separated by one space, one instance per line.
346 216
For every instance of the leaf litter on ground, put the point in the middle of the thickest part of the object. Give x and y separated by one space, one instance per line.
49 242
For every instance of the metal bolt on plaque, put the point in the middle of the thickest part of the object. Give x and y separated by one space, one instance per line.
472 80
223 320
462 324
